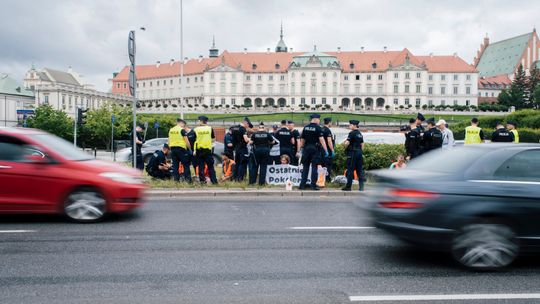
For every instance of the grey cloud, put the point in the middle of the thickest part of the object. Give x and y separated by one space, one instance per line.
91 35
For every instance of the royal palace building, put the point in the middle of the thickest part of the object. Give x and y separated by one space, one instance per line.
283 79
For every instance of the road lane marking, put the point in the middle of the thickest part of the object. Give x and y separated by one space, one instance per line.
333 228
16 231
446 297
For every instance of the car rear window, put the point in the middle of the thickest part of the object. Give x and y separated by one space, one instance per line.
447 161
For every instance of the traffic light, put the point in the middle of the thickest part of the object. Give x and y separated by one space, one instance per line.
81 116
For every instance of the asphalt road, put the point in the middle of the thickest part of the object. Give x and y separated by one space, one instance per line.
297 250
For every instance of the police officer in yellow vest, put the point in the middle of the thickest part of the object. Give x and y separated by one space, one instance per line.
474 134
203 149
180 150
511 126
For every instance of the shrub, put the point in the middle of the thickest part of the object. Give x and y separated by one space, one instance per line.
375 156
527 135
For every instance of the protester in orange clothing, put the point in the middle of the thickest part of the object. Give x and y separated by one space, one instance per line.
228 166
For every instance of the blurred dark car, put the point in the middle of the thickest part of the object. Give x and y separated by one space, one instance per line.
151 145
479 202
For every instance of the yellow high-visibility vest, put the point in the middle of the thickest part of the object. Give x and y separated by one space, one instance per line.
472 135
175 138
516 136
204 137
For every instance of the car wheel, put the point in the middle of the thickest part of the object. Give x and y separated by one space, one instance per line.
485 246
85 205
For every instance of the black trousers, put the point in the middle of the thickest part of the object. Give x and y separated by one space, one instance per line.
181 155
310 157
354 163
328 163
160 174
205 157
259 165
241 159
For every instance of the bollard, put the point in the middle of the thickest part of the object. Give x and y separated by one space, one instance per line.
95 152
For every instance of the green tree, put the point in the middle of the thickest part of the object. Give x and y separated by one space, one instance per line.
56 122
97 131
534 84
536 97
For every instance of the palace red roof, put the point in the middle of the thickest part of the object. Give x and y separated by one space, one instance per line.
263 62
495 80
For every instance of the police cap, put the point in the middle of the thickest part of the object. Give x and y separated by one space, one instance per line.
313 116
499 123
412 120
420 117
354 122
203 118
511 122
327 120
166 146
431 121
275 127
284 122
142 126
290 122
261 124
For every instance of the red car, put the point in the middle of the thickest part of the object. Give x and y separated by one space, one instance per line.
42 173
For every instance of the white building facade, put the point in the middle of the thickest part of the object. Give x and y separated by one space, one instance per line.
65 91
286 80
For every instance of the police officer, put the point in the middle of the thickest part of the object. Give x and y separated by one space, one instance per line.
501 134
261 141
511 126
180 150
474 134
286 140
432 138
157 166
296 144
203 149
354 144
191 136
412 140
228 146
240 140
311 141
419 120
138 146
330 144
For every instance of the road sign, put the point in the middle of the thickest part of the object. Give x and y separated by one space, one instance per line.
156 125
131 53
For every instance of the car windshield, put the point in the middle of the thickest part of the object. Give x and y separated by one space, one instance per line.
447 161
61 147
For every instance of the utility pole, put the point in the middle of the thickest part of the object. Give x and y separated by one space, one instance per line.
132 86
113 120
181 59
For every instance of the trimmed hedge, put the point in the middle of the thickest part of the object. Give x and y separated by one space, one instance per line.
375 156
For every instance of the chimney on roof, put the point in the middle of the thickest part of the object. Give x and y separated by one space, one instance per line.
455 55
431 55
486 40
338 49
385 49
362 50
267 50
157 64
200 58
172 62
245 50
291 50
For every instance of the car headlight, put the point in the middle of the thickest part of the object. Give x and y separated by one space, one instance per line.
121 178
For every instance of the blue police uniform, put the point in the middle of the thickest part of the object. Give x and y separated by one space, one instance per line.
152 168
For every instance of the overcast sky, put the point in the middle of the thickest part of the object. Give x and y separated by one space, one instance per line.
91 35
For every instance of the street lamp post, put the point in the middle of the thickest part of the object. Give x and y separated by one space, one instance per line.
181 59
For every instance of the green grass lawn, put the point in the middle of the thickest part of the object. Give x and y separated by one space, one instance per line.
336 117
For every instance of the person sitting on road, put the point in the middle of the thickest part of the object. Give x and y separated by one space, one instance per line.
228 166
399 164
157 166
